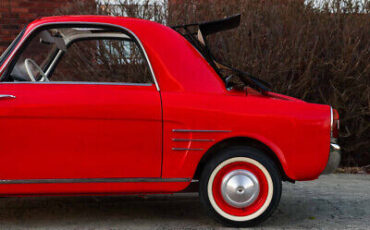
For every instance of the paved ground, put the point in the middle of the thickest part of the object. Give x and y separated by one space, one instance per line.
332 202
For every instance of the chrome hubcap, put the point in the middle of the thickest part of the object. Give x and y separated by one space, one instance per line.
240 188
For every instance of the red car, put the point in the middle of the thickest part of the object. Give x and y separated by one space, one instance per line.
113 105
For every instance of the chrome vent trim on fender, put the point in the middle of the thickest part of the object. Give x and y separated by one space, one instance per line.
191 140
187 149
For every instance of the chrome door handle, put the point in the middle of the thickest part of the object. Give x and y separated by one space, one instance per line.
7 96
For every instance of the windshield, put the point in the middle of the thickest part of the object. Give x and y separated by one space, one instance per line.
197 34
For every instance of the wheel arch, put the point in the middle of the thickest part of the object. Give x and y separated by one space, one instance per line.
241 141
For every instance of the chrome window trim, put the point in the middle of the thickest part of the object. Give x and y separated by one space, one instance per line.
86 23
78 83
93 180
199 131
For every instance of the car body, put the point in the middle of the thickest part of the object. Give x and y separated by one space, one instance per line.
115 138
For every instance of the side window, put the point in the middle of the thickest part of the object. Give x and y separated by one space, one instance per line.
80 54
103 60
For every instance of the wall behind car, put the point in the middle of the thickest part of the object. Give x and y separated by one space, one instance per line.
15 14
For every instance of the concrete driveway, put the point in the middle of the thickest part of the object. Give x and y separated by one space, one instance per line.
336 201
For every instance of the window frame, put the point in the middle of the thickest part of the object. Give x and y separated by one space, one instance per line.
12 59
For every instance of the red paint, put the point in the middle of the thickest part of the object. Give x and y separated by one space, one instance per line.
98 131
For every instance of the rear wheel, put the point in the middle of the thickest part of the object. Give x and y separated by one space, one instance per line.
240 187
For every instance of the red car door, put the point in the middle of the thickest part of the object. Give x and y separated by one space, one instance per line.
79 131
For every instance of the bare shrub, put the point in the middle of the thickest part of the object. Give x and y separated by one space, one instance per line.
155 10
319 55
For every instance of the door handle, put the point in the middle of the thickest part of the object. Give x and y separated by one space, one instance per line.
7 96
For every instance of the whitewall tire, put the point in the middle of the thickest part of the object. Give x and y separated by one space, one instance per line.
240 186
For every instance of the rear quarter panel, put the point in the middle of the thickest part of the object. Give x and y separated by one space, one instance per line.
297 132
